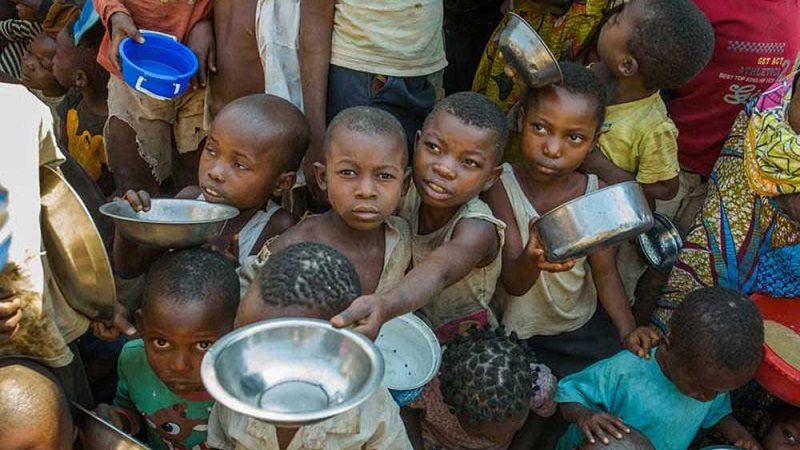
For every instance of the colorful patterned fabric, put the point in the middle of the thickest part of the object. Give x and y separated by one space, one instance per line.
772 148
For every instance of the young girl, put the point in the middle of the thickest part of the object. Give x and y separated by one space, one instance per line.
555 305
488 384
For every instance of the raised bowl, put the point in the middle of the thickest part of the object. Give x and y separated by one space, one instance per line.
661 244
292 372
775 374
600 219
172 223
161 67
412 355
527 53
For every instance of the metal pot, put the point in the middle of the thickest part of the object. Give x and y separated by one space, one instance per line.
661 244
600 219
527 53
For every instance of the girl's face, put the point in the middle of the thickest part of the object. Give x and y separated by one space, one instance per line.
558 130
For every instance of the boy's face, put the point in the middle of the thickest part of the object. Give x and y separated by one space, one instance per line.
454 162
364 177
698 379
64 60
236 170
558 131
612 44
177 336
37 64
252 309
784 434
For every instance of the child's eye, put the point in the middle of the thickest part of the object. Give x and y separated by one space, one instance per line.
471 163
576 138
789 437
241 166
386 176
347 172
160 344
211 151
538 128
433 148
204 345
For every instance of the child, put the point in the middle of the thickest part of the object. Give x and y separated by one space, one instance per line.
487 385
714 346
37 71
364 176
784 432
84 109
253 150
15 36
141 130
555 305
456 239
632 440
34 412
316 281
189 302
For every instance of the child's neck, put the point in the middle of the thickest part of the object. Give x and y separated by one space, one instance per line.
96 98
431 219
349 237
623 89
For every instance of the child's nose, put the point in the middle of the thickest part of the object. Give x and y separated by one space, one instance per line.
552 148
216 174
444 170
366 188
181 363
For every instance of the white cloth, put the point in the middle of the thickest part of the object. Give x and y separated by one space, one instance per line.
401 38
277 36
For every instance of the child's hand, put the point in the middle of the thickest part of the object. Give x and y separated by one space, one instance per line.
119 325
201 41
747 444
139 201
122 26
535 250
641 340
365 315
596 424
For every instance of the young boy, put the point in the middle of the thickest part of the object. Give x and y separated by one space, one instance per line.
456 239
364 176
714 346
253 150
84 109
315 281
34 412
189 301
37 71
141 129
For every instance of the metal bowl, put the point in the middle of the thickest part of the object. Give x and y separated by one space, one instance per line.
171 223
661 244
597 220
412 354
292 372
75 251
527 53
95 433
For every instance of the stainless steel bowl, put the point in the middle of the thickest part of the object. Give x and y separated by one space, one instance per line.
412 355
661 244
527 53
95 433
171 223
594 221
292 372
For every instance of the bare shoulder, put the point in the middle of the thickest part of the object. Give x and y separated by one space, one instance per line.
304 231
280 222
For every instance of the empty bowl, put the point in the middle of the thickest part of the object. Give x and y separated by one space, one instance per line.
292 372
412 355
161 67
171 223
527 53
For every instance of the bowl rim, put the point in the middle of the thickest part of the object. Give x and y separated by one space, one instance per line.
512 16
419 325
582 198
149 34
672 233
229 212
211 382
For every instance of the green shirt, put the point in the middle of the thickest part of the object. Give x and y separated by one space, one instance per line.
169 417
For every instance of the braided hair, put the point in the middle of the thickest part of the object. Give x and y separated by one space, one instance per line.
486 377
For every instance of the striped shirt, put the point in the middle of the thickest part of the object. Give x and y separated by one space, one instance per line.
15 36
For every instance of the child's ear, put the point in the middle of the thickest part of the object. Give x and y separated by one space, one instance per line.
81 79
496 172
406 181
629 66
138 318
520 119
319 172
284 183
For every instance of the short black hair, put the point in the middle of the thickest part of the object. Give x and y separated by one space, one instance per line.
475 110
672 43
577 80
635 440
309 275
267 116
369 121
486 376
719 327
91 38
193 276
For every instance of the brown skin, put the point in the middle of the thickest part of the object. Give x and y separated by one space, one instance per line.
37 67
239 70
558 130
74 66
496 432
364 179
10 314
453 163
784 434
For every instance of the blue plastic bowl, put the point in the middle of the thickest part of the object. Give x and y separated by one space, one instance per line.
161 67
403 398
5 235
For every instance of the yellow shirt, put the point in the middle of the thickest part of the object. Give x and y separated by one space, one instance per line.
640 137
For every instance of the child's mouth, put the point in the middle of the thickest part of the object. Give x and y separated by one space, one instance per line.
437 191
211 193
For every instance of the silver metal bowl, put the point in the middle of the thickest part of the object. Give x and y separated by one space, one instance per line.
412 355
292 372
597 220
171 223
527 53
95 433
661 244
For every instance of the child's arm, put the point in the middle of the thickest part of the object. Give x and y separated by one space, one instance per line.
594 424
612 295
131 259
734 432
117 20
522 263
473 242
412 419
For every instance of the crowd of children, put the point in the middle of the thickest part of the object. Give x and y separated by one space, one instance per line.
364 194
